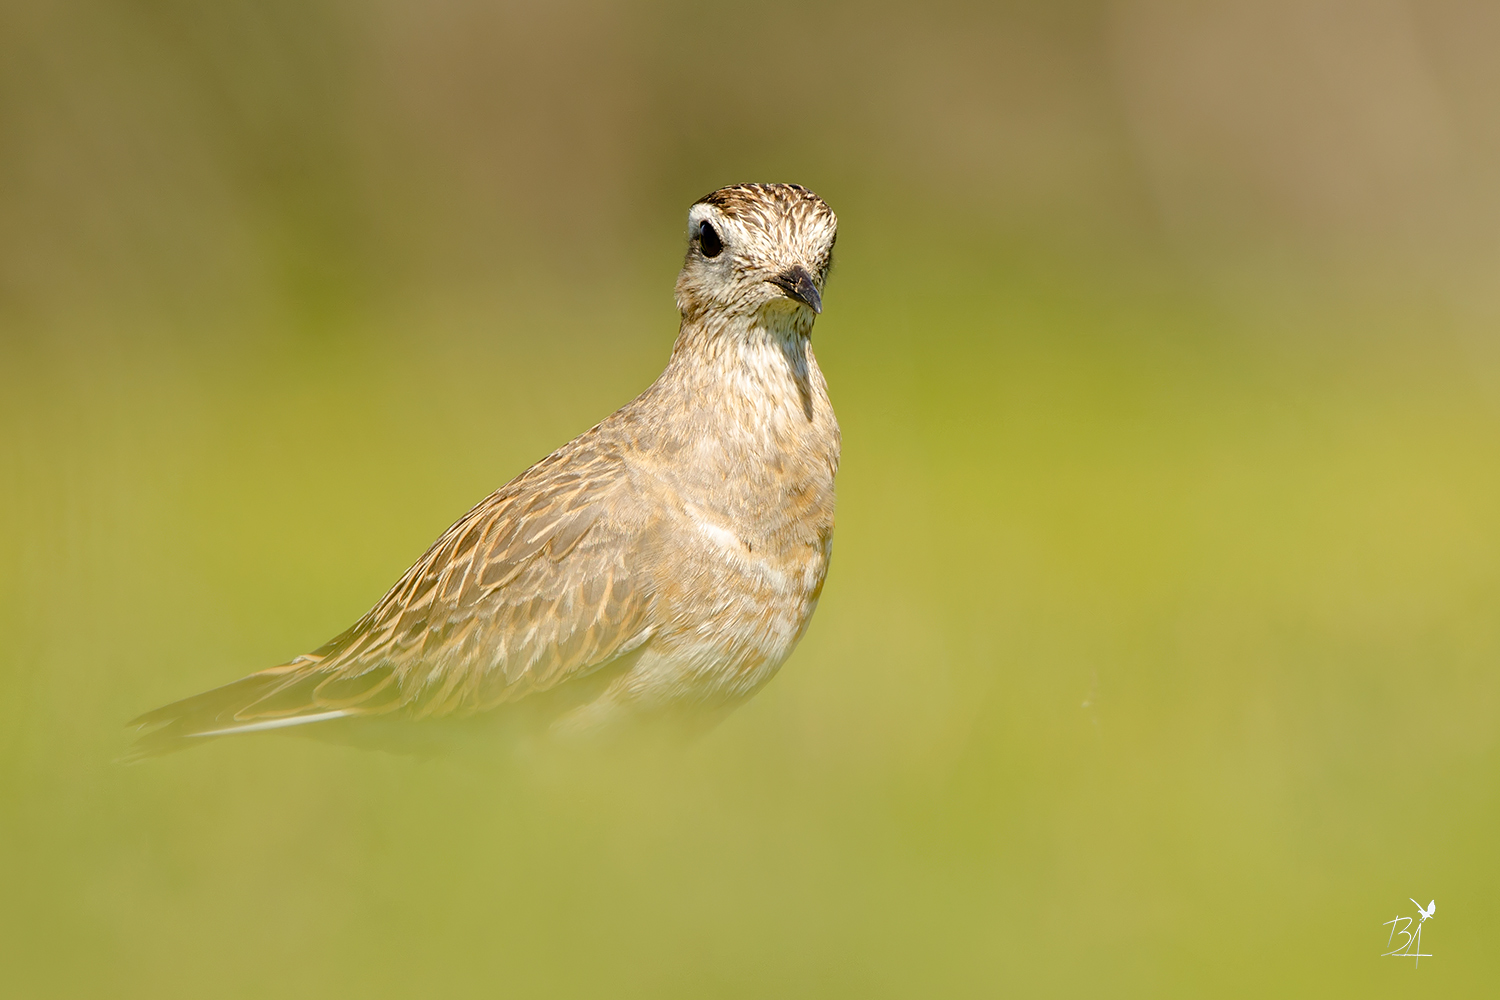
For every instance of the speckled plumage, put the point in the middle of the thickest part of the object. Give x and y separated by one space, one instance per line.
663 563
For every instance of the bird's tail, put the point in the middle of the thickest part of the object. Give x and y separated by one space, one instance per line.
292 694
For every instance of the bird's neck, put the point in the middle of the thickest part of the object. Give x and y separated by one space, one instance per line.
750 419
741 365
777 327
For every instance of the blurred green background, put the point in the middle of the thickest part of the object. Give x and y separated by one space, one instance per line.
1158 657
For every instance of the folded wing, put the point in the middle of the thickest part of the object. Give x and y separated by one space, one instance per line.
529 590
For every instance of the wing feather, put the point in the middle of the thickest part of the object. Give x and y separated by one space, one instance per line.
532 588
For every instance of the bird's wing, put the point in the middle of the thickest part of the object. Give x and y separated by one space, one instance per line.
526 591
533 587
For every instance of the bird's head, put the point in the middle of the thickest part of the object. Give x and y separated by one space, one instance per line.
757 250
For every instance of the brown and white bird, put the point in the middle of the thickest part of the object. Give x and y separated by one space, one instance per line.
661 565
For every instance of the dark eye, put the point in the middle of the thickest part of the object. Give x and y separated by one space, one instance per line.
709 242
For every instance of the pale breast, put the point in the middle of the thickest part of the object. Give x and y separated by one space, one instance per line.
737 460
749 564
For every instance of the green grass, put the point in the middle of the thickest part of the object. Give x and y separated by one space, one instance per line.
1264 552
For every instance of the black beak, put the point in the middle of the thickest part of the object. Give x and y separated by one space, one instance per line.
798 284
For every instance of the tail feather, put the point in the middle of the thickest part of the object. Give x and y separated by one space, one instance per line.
270 699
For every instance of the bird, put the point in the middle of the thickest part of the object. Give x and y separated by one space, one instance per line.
1427 912
658 569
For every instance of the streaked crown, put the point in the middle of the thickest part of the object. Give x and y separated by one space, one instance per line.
754 247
